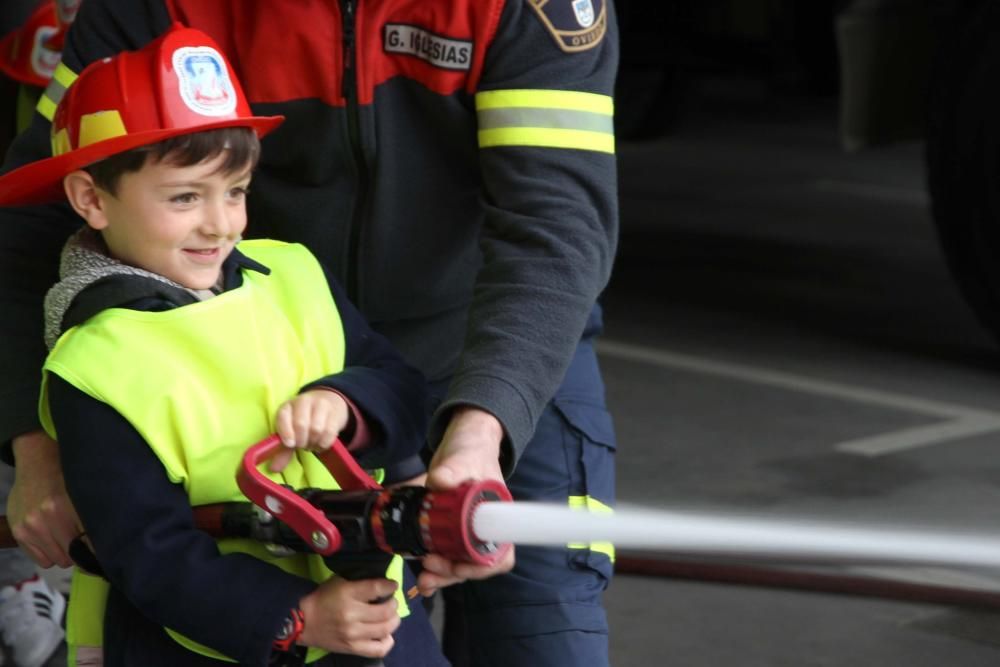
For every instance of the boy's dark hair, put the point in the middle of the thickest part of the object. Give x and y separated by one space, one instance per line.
240 144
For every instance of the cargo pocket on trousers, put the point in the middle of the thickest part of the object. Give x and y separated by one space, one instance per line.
592 486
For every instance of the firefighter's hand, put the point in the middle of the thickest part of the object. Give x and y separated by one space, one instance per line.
470 449
312 420
341 617
41 516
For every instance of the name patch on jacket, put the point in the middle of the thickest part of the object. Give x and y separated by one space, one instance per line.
576 25
439 51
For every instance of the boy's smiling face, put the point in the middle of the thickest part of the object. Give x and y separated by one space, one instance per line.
179 222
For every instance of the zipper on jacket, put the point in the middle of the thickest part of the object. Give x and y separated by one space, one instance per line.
350 89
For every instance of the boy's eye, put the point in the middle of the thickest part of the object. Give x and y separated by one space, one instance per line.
184 198
239 192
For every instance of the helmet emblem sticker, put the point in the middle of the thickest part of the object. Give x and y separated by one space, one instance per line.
584 12
67 10
44 60
204 81
575 25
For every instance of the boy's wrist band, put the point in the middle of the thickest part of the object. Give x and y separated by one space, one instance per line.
285 640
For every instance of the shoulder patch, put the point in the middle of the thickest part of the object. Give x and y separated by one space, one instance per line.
576 25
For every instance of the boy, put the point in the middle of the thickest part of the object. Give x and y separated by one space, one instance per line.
172 350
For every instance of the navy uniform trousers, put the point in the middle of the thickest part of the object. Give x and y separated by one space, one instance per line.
547 612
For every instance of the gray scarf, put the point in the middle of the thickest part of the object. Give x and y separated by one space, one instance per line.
84 261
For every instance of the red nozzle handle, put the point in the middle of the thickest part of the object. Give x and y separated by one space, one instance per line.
308 522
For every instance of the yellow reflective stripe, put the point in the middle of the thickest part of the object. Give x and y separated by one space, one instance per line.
64 75
590 503
545 99
548 138
46 107
587 503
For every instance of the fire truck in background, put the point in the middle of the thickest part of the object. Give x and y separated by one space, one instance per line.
901 70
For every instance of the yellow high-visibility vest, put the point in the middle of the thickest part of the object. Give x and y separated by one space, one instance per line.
201 384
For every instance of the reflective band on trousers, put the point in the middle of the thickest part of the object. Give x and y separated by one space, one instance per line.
546 118
594 505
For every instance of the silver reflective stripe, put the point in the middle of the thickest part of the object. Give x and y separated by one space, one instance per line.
490 119
55 91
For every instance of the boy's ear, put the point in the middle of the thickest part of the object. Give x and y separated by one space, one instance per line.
83 196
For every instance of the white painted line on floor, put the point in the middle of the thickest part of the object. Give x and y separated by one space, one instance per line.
920 436
961 421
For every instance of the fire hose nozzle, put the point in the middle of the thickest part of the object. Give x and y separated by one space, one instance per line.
446 522
365 518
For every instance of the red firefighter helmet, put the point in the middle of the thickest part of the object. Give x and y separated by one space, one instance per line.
66 12
28 55
178 84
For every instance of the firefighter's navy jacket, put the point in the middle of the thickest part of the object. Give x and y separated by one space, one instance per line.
453 162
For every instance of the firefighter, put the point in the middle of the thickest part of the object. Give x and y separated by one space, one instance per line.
469 145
